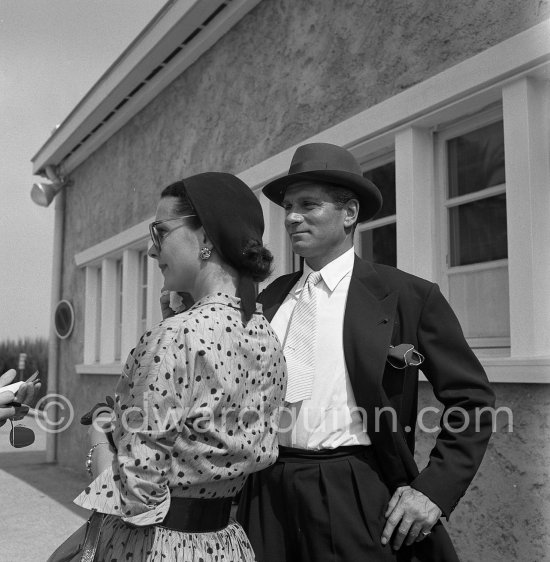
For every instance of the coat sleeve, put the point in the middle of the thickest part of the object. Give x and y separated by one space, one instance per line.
461 385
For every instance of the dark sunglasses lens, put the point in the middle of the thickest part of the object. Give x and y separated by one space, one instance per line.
155 237
21 436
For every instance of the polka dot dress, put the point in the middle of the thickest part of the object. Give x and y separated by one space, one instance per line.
196 410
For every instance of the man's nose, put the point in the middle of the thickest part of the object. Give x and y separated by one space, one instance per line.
293 217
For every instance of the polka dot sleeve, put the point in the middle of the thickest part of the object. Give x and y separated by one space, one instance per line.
150 411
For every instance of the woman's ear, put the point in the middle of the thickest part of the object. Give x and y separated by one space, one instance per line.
204 240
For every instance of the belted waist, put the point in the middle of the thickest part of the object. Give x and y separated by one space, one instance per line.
292 454
197 515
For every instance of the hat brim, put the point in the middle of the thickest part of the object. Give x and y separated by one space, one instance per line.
368 195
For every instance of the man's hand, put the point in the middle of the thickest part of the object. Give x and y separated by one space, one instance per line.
413 515
182 301
165 309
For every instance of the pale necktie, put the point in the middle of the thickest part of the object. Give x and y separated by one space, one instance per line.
299 348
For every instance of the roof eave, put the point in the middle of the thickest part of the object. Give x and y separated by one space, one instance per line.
181 32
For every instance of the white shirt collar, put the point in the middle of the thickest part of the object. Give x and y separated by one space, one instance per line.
334 271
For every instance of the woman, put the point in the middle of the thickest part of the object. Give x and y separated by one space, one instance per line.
197 404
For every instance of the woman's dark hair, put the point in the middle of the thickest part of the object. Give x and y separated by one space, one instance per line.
257 261
255 258
183 205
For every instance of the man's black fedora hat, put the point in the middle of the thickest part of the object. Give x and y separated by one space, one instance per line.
328 164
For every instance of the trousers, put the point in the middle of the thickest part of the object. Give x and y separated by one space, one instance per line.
323 506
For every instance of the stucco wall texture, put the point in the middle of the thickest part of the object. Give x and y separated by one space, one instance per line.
286 71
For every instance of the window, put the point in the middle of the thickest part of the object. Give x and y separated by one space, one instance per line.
376 239
121 298
477 213
475 261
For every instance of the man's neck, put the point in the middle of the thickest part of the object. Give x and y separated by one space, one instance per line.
318 263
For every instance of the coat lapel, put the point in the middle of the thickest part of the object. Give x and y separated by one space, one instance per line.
274 295
368 325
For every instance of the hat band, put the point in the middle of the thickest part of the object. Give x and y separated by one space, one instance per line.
307 166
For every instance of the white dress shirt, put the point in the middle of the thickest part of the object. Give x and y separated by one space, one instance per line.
330 418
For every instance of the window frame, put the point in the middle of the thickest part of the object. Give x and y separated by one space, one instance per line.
367 165
498 346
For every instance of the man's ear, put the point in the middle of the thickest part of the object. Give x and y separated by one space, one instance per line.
352 212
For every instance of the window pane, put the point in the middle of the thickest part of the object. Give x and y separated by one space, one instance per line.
476 160
384 179
481 301
478 231
379 245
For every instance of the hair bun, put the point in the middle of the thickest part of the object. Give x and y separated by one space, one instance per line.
257 260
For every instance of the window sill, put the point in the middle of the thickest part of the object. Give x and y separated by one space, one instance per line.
534 370
99 369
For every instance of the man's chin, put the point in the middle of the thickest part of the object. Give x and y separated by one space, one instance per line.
299 247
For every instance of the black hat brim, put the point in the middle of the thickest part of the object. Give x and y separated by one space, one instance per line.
368 195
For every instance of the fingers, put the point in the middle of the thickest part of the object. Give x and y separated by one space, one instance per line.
394 513
417 532
27 392
24 396
6 413
6 397
393 501
410 517
422 535
402 533
7 377
165 309
20 412
33 377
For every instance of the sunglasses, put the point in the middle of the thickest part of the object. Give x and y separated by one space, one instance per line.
156 236
21 436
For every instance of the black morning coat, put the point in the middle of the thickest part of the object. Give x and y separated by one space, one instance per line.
388 306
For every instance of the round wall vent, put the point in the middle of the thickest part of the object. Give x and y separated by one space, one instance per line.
64 319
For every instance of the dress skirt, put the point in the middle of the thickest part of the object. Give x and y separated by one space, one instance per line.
122 542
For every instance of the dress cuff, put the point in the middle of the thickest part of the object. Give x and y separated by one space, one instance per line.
103 495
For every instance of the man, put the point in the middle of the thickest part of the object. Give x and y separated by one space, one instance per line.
346 487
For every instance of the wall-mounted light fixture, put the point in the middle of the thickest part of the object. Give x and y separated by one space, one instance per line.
43 193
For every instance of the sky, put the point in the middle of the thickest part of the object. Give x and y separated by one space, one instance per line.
51 53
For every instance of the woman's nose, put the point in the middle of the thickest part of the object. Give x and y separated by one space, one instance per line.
152 252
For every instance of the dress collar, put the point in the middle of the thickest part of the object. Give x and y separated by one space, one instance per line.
221 298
